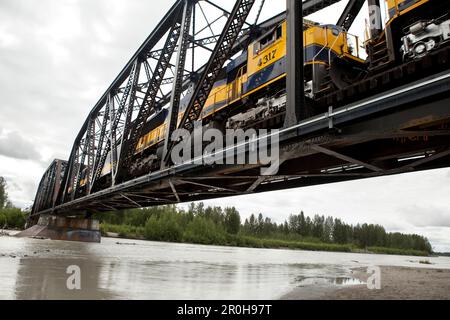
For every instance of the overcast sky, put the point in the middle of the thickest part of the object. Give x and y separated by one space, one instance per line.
57 57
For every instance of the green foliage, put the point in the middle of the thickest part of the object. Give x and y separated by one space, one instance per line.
163 228
12 218
204 231
275 243
232 220
3 194
4 202
214 225
124 231
330 230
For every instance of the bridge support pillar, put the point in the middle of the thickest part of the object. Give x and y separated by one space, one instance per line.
64 228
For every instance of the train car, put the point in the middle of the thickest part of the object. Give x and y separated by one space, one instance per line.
413 29
152 131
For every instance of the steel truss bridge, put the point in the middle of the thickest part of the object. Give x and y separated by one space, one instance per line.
395 122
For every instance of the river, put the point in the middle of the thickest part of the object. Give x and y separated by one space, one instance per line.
133 269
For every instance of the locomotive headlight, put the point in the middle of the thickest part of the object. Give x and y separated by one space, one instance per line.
420 48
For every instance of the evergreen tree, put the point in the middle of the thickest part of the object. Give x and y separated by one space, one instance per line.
200 209
302 224
252 223
328 230
308 227
260 224
191 208
293 223
318 223
4 202
232 220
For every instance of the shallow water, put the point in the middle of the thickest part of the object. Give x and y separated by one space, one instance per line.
132 269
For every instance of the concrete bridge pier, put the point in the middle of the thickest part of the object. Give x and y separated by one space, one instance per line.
64 228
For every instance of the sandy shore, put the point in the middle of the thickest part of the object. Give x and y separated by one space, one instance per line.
397 283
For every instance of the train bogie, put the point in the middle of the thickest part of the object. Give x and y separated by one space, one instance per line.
423 37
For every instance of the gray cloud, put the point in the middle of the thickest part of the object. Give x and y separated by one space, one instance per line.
427 216
13 145
56 60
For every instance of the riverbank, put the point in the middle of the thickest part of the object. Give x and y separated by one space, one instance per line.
264 243
397 283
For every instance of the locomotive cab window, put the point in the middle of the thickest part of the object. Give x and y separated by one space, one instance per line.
279 32
268 40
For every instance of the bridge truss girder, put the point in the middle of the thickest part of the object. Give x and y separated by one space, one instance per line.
405 130
156 77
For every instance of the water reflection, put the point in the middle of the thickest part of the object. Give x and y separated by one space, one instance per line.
154 270
40 277
327 281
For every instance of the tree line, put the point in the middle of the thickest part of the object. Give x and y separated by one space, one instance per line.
334 230
217 225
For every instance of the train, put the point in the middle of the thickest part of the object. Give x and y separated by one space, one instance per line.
414 29
251 90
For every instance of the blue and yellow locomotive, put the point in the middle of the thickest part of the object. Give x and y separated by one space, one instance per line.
260 71
251 88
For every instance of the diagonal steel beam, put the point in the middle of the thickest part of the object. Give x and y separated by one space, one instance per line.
174 190
350 13
312 6
131 200
148 103
98 157
70 177
224 11
206 185
256 184
259 11
130 92
175 99
90 142
221 54
428 159
345 158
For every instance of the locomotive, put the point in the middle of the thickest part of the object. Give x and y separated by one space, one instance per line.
251 89
414 29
